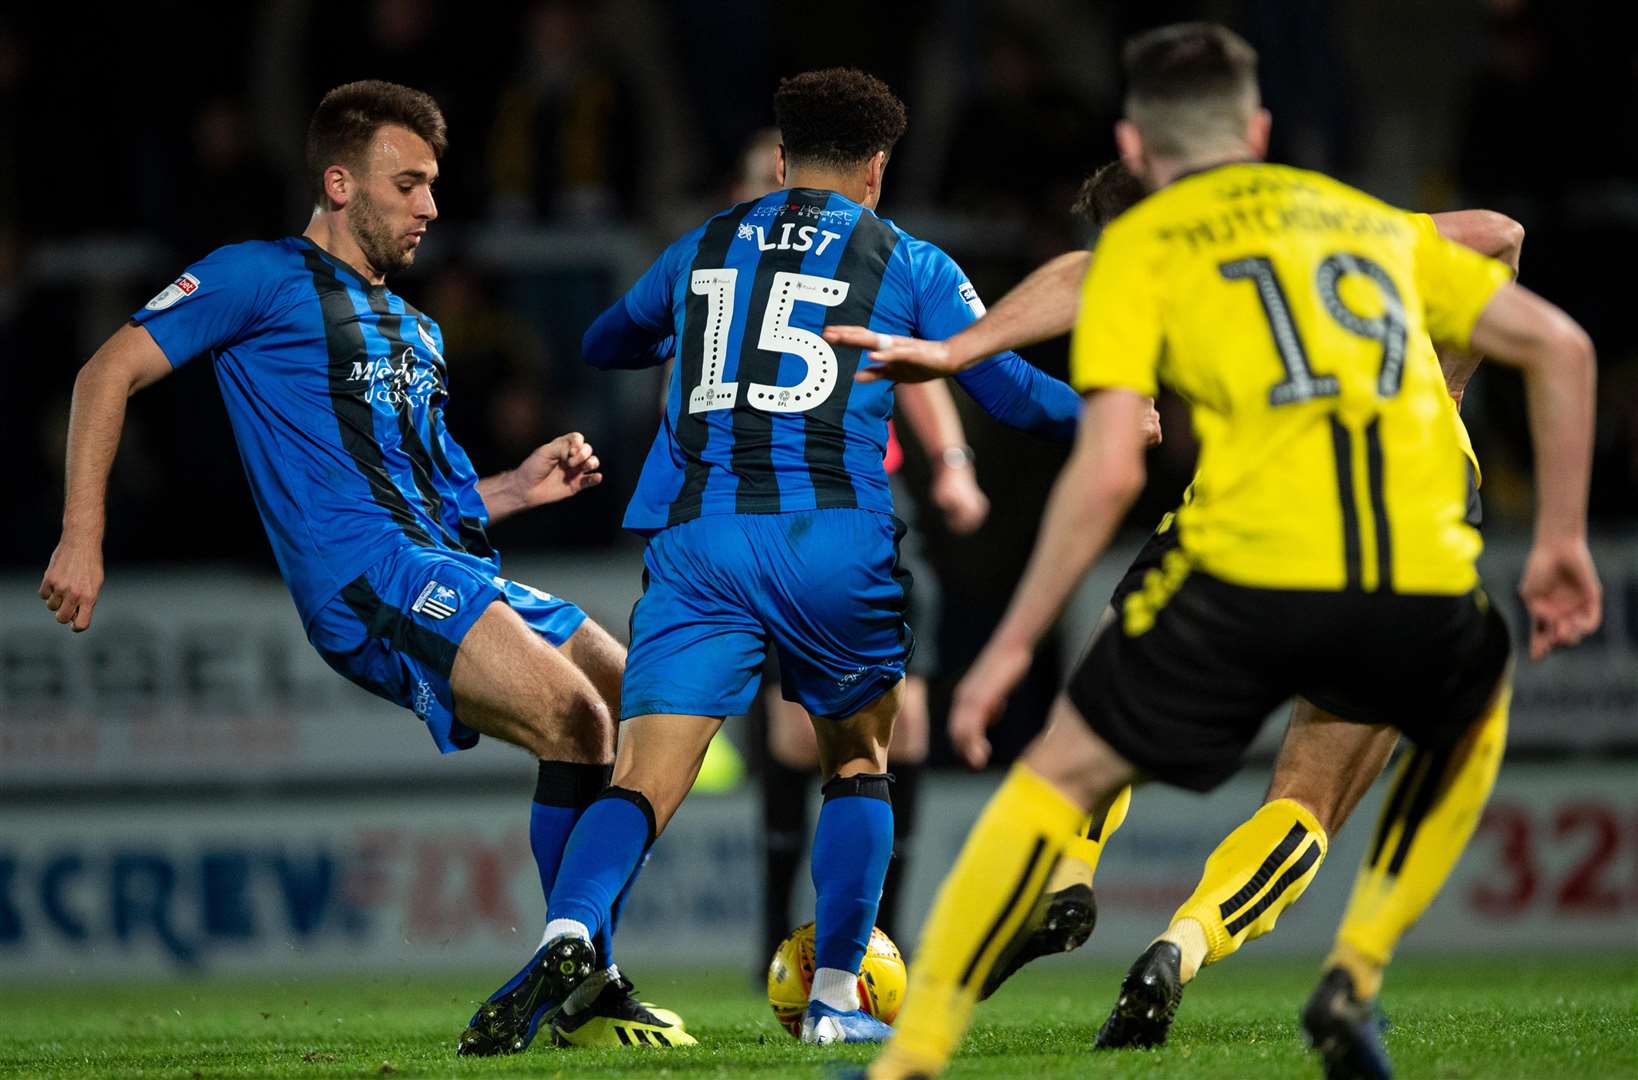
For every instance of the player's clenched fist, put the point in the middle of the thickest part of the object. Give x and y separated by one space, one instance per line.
72 581
563 467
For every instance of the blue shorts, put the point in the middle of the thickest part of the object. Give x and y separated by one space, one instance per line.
395 628
822 587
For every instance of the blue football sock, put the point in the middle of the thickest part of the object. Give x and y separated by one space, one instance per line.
563 790
601 857
605 936
851 848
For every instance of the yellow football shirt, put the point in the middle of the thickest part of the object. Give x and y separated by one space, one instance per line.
1424 225
1294 314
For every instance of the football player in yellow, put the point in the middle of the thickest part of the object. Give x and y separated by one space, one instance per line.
1324 553
1325 764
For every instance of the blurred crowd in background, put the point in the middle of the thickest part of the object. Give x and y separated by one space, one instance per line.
585 135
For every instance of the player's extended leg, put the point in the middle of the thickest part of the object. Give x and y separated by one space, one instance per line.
509 683
1067 912
1327 763
660 755
793 755
594 651
1079 865
1431 813
851 848
1067 772
616 1017
1325 766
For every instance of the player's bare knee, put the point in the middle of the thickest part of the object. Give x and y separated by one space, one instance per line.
847 751
1069 755
664 791
584 729
858 743
600 658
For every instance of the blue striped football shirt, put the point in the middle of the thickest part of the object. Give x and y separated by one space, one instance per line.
335 389
762 414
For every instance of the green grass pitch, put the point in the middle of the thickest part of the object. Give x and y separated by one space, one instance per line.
1526 1016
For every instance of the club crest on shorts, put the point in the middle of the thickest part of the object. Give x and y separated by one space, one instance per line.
437 601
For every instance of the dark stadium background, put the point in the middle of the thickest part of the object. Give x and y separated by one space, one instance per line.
585 136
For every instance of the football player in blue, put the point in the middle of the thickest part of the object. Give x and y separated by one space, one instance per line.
335 387
768 516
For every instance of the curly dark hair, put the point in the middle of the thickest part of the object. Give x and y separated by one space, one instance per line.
1107 193
837 116
349 116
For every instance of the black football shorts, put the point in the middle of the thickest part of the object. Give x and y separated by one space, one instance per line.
1183 679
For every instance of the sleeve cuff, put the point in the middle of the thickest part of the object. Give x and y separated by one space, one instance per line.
168 348
1084 387
1463 324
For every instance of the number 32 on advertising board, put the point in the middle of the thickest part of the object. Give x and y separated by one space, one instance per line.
1520 880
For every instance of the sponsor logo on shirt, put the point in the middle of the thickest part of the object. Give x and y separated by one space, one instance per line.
969 296
437 602
828 217
395 381
180 289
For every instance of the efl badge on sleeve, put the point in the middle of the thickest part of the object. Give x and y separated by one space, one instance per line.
180 289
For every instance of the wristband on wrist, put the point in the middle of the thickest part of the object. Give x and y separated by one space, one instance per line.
958 457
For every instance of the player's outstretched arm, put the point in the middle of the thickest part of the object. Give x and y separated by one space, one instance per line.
616 341
636 330
1039 308
1091 495
930 412
126 362
1022 396
563 467
1560 585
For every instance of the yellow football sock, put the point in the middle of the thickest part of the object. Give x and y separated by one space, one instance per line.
988 894
1080 859
1430 815
1257 872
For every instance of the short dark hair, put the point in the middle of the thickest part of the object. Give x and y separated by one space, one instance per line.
349 116
1186 81
1108 193
837 116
